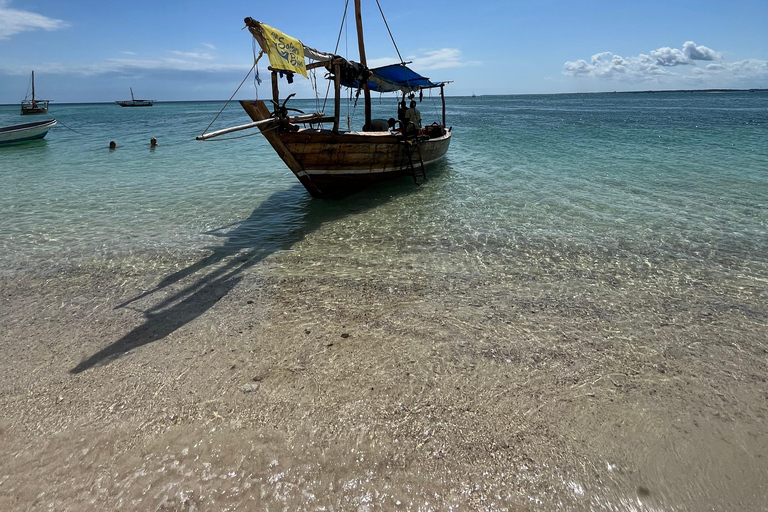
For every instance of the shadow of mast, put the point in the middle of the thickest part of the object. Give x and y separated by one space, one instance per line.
278 223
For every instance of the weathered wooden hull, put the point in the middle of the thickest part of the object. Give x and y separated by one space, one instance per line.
332 164
135 103
25 111
32 107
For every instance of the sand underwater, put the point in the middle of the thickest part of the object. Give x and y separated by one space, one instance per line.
447 347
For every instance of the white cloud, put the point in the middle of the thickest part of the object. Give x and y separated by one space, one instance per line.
193 55
174 61
428 60
610 66
438 59
694 52
658 67
670 57
15 21
748 68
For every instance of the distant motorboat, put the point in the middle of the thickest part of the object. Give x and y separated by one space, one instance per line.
34 105
133 102
26 131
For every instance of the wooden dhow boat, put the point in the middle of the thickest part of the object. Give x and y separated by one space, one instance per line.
34 105
328 161
133 102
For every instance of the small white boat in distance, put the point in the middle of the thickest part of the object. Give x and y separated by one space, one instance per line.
26 131
133 102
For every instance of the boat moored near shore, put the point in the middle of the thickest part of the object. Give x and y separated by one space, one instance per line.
331 162
26 131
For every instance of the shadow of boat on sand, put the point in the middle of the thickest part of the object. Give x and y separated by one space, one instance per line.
282 220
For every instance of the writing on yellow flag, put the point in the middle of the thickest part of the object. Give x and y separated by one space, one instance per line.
284 52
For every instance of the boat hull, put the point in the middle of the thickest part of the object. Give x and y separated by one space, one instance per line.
26 131
25 111
333 165
34 107
135 103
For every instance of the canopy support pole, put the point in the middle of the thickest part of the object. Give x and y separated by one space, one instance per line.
442 97
337 97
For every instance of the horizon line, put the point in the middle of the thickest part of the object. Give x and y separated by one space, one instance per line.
648 91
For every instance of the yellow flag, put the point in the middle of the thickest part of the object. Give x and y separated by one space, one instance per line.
284 51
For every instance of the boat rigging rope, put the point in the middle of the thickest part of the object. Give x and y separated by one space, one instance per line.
390 32
336 50
256 78
68 128
233 95
338 40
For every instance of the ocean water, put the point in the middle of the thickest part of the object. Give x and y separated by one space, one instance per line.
669 175
574 305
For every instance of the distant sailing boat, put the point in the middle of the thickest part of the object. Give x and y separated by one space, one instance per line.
34 106
133 102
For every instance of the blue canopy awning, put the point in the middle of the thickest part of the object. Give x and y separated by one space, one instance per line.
395 77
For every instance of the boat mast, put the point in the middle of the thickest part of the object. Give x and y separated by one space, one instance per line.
132 98
33 87
361 45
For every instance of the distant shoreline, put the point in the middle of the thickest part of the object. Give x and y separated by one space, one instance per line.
668 91
665 91
690 91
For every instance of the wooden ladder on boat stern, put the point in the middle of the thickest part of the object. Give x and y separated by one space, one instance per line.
421 173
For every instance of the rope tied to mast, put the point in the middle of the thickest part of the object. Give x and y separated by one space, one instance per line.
390 32
233 95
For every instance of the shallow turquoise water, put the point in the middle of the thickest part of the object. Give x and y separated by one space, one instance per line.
678 175
634 223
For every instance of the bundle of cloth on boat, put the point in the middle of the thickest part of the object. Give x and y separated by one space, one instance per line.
352 74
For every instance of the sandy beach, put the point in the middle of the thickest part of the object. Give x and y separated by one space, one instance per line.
515 261
239 382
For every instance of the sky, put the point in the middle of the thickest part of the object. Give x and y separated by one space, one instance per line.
94 50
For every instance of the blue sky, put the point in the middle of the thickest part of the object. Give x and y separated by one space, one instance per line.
94 50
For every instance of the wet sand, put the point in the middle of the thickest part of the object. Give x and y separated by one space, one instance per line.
226 382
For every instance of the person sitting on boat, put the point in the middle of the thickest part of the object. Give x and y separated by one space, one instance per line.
379 125
412 115
412 119
401 109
